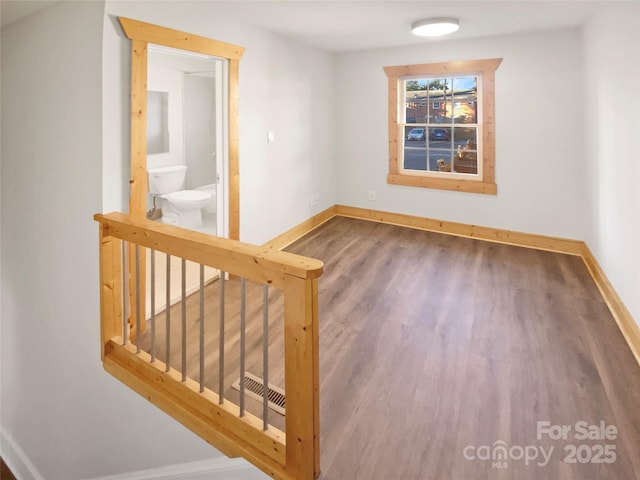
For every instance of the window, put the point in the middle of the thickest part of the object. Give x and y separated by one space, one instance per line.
441 125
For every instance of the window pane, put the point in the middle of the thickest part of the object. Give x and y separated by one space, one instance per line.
436 100
465 100
440 160
415 148
466 162
465 140
439 137
415 94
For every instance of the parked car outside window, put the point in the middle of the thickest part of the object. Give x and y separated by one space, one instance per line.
417 134
438 134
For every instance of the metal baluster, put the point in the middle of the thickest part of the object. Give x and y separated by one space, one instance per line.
153 306
167 310
184 320
137 257
265 357
125 292
242 342
221 347
201 328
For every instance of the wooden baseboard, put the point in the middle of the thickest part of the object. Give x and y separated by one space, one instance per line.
626 323
290 236
540 242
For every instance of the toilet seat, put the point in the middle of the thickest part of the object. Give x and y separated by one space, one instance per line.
189 196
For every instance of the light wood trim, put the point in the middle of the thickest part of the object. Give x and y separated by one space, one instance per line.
469 186
301 377
394 112
627 325
489 122
110 287
444 68
146 32
259 264
540 242
139 180
485 185
182 400
234 151
287 238
315 339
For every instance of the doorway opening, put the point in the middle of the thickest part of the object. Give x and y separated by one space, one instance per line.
187 128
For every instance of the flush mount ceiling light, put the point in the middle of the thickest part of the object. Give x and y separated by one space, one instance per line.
434 27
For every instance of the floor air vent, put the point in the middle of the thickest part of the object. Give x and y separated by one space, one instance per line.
253 386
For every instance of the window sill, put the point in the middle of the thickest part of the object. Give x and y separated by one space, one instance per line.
470 186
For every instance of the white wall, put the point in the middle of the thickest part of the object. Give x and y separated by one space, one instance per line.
169 80
199 125
62 415
284 87
539 132
612 119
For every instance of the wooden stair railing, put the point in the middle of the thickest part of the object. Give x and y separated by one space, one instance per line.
292 454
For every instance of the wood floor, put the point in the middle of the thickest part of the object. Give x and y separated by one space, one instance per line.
434 349
432 343
5 473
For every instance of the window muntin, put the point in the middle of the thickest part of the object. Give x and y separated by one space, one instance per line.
441 125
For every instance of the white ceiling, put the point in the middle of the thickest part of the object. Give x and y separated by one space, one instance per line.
351 25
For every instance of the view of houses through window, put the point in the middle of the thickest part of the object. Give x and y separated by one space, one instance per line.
441 124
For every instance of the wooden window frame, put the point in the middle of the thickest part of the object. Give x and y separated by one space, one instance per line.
485 69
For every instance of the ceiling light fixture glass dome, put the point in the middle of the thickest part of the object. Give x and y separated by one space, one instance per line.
435 27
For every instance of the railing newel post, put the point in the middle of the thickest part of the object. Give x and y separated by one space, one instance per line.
302 376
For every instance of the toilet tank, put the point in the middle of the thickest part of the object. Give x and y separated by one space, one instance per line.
166 179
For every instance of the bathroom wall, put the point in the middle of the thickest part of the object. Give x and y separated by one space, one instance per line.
199 129
161 78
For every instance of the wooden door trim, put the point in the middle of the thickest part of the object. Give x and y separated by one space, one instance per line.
141 34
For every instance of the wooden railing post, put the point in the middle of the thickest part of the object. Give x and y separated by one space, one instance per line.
110 286
302 377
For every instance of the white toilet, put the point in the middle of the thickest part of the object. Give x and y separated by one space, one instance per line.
212 190
180 207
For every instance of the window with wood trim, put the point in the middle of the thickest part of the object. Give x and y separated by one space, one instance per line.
442 125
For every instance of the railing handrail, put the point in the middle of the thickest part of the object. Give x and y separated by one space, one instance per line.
243 259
